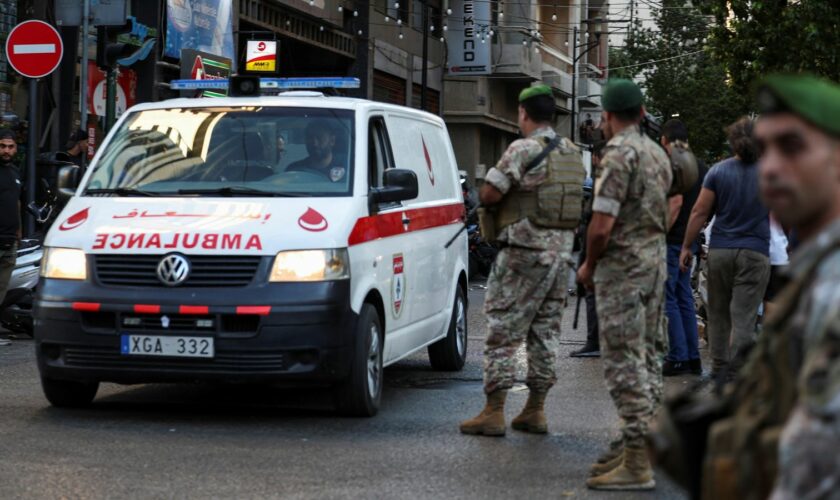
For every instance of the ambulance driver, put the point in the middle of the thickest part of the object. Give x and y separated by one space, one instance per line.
320 143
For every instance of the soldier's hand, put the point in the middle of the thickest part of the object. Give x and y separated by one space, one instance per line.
584 276
685 259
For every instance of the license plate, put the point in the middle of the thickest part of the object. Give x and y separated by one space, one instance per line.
158 345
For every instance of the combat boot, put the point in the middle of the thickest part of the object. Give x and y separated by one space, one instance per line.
616 449
600 468
491 420
635 473
532 418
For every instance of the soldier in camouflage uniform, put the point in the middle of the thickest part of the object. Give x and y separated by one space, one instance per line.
526 290
781 436
626 264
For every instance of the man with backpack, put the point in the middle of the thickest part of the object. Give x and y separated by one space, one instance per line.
683 353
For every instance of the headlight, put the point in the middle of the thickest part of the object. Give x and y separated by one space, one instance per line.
64 263
310 265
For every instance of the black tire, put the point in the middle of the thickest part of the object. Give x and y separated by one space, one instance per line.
69 394
355 397
450 353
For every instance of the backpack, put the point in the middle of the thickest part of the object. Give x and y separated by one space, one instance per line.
684 168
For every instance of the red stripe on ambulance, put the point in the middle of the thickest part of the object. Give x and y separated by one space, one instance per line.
391 224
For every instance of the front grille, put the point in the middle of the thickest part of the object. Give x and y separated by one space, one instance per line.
106 357
174 322
205 270
226 323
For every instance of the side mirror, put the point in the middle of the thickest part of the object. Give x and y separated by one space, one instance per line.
399 185
67 181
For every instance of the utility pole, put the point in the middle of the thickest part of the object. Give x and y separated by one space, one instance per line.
425 71
574 79
83 77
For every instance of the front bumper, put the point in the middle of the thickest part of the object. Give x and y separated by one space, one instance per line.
298 333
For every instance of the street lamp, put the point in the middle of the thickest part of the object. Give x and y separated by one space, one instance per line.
595 25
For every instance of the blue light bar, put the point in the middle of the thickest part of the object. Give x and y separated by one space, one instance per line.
272 83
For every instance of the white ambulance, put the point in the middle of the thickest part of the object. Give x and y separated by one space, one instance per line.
296 239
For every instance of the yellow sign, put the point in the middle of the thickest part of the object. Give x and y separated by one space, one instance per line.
261 56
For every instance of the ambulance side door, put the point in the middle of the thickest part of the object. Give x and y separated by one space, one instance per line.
393 253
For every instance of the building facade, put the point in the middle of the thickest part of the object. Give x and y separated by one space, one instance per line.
385 43
533 41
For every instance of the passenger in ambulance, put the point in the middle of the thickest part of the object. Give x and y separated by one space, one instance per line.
320 145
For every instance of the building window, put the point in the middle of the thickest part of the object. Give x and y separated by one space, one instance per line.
388 7
388 88
435 16
432 99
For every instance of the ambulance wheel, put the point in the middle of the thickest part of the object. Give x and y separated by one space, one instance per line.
450 353
69 394
361 393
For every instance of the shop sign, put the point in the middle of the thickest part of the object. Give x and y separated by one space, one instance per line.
468 25
261 56
196 65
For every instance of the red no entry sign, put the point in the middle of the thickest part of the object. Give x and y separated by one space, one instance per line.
34 49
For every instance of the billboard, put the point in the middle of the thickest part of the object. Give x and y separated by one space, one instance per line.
205 25
470 22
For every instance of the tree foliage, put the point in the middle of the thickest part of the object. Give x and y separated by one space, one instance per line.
752 38
680 77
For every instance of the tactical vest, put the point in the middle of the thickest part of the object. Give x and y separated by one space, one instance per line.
557 203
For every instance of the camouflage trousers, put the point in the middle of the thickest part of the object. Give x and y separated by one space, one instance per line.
633 335
526 294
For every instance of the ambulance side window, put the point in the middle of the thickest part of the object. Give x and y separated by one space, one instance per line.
380 157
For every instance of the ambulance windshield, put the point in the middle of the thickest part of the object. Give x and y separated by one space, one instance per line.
232 151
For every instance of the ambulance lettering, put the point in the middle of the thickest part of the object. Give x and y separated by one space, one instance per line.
398 285
211 241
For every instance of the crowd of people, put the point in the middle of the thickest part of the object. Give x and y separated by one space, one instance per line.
773 321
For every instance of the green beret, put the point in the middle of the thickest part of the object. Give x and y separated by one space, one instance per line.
813 99
534 91
620 94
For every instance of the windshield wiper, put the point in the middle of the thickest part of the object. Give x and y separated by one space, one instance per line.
238 191
121 191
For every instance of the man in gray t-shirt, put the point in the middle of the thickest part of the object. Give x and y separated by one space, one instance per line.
739 264
741 220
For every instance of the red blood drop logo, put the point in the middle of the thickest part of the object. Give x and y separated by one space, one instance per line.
428 161
313 221
74 220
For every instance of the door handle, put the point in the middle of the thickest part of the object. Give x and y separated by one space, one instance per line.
405 220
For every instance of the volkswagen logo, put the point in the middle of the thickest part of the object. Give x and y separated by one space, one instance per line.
173 269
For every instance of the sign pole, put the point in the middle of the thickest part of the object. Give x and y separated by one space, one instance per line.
111 99
33 49
31 153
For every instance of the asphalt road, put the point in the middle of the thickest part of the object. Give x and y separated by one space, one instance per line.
198 441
